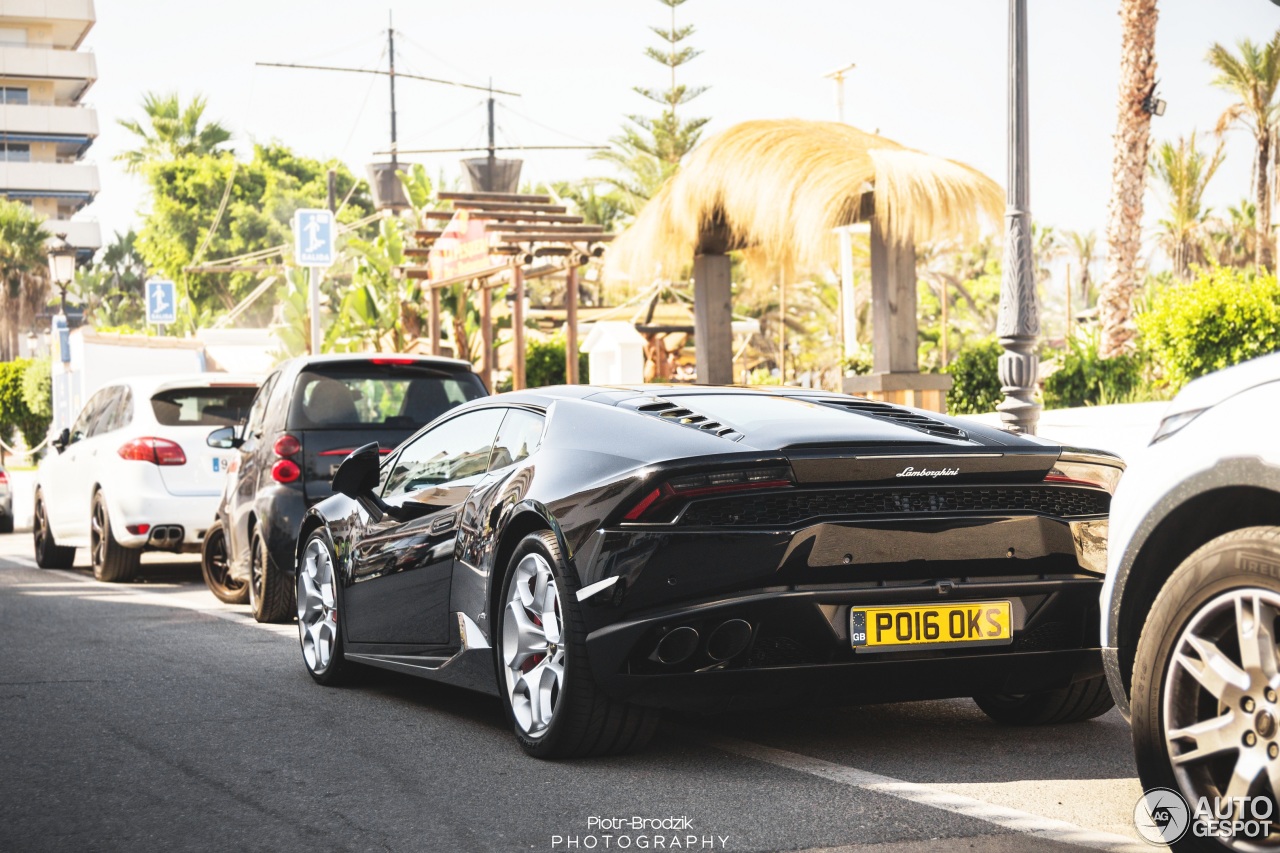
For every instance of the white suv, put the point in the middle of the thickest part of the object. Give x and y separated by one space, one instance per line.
1191 604
135 472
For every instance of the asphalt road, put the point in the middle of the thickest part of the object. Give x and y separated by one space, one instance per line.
150 717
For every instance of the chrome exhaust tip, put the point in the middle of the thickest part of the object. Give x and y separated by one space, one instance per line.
676 646
728 639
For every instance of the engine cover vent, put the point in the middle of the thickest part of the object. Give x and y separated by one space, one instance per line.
681 415
897 415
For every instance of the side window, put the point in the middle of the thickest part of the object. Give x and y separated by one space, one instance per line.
106 411
519 436
84 421
257 411
460 447
116 412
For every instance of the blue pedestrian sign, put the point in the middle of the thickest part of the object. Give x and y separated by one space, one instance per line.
162 302
313 234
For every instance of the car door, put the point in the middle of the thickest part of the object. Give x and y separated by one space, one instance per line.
401 567
241 497
64 483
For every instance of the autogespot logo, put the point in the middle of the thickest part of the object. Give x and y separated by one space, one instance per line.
1161 816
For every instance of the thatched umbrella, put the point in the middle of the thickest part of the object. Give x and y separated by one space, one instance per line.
779 188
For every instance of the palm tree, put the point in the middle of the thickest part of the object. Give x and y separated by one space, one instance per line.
1184 171
1253 76
24 280
172 131
1233 239
1083 250
1128 173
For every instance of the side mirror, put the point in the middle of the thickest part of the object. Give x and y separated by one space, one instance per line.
224 438
357 476
64 438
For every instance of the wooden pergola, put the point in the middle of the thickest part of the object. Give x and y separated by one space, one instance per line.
523 229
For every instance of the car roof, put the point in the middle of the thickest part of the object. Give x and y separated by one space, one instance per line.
162 382
347 357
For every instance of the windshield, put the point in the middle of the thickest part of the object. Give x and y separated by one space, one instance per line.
347 396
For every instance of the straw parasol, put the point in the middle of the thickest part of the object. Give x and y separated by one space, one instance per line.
779 187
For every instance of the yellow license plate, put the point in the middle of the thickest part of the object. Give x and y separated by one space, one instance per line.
971 623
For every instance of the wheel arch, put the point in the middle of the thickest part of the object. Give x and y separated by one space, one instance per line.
525 520
1191 524
310 522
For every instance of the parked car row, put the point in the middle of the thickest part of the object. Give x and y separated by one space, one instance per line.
592 555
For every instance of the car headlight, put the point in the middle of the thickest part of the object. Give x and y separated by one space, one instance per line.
1173 423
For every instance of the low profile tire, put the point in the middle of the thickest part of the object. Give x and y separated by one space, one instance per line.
544 677
1206 679
49 554
317 595
1075 703
270 590
216 569
112 562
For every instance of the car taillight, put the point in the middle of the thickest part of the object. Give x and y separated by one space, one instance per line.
1074 470
286 445
157 451
4 477
285 471
648 508
392 360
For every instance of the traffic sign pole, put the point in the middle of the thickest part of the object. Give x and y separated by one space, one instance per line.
314 302
313 236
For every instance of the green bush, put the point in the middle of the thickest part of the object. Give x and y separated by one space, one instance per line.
975 382
1084 378
1223 317
544 363
15 415
37 388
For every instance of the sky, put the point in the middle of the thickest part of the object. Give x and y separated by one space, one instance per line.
930 74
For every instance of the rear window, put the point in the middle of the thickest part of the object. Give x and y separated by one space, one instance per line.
214 407
346 396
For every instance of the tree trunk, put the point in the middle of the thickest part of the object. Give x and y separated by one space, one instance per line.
1262 248
1128 174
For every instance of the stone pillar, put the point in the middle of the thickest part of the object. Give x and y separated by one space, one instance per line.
713 318
1018 325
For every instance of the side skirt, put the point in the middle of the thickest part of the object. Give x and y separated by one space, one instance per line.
471 667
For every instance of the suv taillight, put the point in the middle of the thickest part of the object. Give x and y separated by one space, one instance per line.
649 507
157 451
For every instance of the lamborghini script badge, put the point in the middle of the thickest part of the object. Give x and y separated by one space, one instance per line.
925 472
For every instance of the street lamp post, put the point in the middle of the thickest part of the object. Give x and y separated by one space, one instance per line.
1018 325
62 267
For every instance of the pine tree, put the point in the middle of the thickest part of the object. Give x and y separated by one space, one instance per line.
649 151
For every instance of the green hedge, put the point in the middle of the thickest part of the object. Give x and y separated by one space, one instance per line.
975 382
15 414
1222 317
544 363
1084 378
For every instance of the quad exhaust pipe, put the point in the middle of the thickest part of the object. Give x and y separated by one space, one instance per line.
166 536
726 640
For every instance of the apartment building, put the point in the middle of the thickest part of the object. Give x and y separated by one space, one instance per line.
45 130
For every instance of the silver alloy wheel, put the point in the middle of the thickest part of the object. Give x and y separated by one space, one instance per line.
317 611
1220 711
532 649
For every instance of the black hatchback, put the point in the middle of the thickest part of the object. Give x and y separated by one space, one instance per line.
307 416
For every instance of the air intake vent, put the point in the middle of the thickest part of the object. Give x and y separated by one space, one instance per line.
897 415
669 411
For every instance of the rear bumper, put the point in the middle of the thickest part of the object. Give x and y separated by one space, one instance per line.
800 650
193 513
